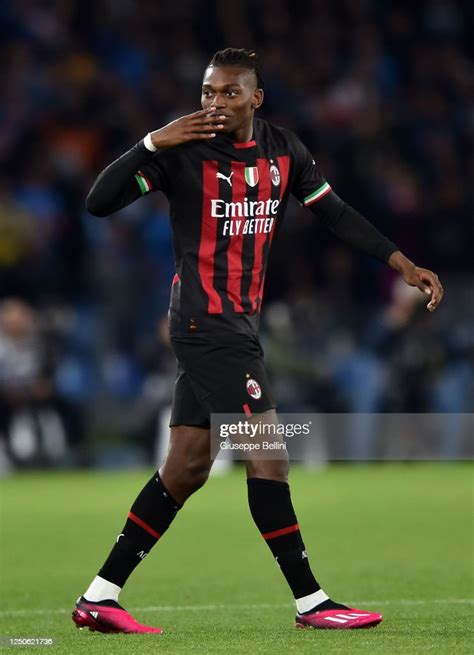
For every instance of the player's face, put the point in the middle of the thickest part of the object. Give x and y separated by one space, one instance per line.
233 92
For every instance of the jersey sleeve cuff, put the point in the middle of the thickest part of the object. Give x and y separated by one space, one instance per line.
147 142
387 250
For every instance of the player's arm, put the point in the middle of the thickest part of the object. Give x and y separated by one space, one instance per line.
123 181
352 228
314 192
116 186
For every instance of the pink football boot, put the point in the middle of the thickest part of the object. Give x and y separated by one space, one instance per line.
107 616
338 619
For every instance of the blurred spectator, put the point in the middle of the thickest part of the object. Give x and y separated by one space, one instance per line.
35 424
152 410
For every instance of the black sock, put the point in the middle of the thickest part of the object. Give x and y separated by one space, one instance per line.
150 516
272 510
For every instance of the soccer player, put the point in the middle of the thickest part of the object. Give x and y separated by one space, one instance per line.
228 177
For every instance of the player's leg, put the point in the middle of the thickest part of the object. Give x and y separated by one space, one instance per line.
272 510
184 470
187 464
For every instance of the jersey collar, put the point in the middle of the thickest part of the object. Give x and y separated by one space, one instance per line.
245 144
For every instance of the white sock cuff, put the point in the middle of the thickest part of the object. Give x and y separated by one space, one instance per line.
308 602
101 589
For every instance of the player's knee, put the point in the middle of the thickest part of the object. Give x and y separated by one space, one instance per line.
268 470
196 473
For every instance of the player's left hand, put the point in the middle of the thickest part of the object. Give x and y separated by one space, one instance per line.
426 281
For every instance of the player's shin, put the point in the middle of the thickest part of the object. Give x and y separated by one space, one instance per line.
150 516
272 510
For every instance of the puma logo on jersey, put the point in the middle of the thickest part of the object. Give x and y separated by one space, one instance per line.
221 176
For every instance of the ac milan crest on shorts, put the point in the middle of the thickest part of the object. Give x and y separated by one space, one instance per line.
254 390
219 375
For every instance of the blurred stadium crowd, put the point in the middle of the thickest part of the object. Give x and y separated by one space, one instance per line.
380 91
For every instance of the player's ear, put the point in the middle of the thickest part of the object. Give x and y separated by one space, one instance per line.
257 99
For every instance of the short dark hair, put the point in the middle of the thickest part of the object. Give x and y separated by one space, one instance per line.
240 58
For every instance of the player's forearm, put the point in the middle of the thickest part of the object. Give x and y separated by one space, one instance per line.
400 263
352 228
115 187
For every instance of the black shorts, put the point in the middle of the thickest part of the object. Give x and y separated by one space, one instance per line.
225 376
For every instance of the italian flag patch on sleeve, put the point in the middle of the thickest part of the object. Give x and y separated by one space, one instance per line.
318 194
143 182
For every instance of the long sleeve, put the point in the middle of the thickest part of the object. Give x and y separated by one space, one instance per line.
122 182
351 227
314 192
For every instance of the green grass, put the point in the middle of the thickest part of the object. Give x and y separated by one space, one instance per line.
394 538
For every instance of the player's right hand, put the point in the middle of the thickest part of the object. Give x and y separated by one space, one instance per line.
202 124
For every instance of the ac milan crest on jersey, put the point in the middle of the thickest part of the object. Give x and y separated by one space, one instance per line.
253 389
251 175
275 175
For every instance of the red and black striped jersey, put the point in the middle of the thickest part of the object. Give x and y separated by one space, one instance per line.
227 202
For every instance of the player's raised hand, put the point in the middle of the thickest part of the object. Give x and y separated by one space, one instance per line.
202 124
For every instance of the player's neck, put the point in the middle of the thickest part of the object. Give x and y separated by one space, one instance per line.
243 134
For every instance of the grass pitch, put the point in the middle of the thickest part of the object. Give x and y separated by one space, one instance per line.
395 538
